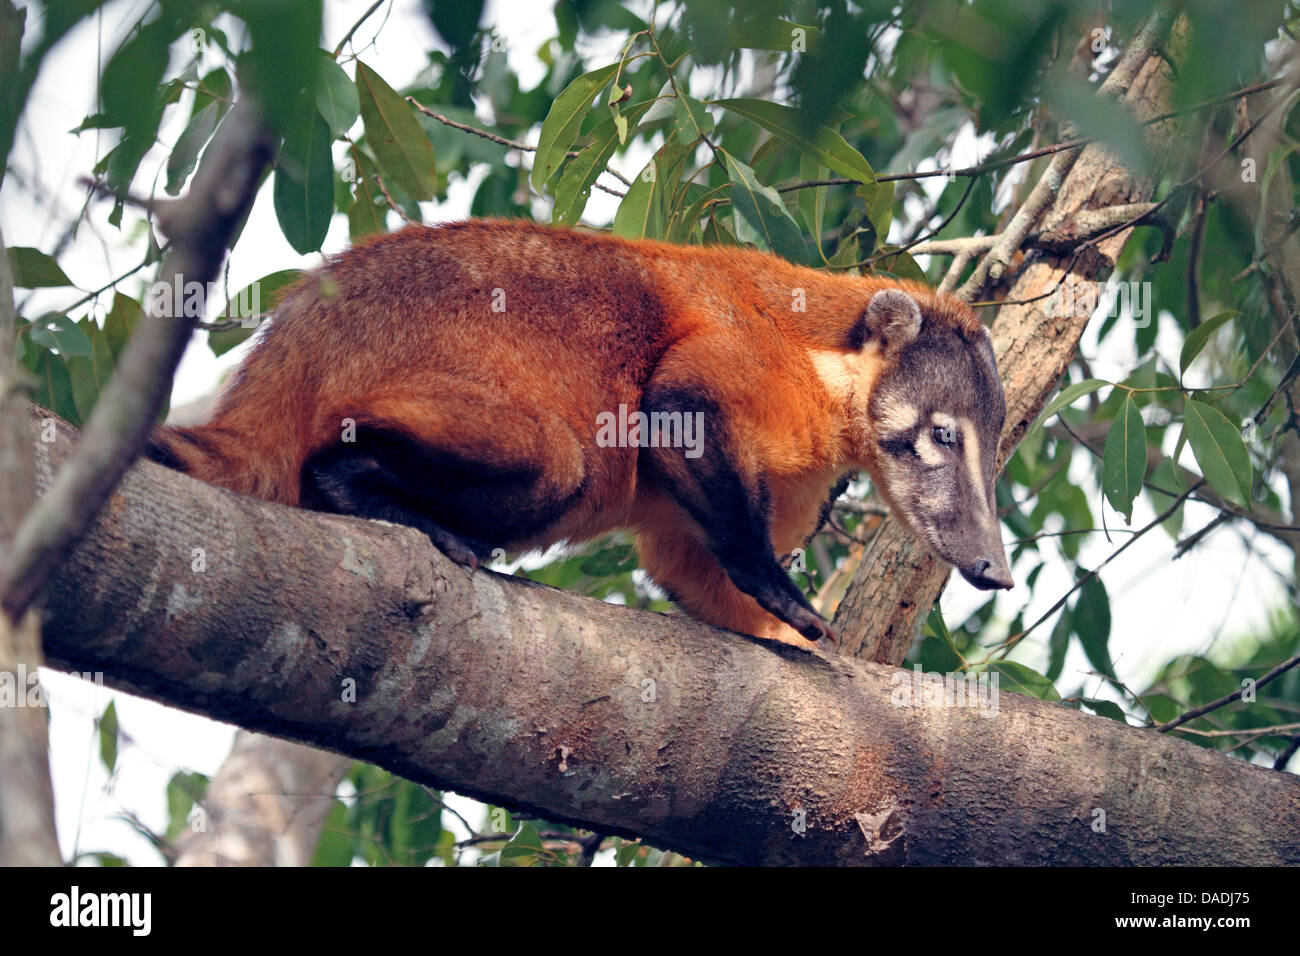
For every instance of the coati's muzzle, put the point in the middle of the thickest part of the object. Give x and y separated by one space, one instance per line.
989 570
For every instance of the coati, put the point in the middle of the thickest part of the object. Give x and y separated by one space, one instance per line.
482 380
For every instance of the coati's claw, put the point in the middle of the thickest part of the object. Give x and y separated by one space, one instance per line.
816 629
454 547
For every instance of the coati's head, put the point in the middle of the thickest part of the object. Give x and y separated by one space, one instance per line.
933 421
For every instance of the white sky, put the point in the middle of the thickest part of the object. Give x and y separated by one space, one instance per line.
1159 608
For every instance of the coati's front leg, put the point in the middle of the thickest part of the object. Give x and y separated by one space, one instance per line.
678 560
721 490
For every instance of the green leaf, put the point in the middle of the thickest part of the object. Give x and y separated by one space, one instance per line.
760 216
121 322
282 63
1103 118
1198 338
1124 459
717 234
215 87
304 184
334 848
1069 395
1058 644
184 790
185 155
1219 451
1106 708
1091 617
53 384
133 77
574 185
613 560
827 146
525 848
625 852
878 200
1023 680
1166 476
254 301
403 152
563 123
369 211
812 202
684 224
779 34
54 331
693 120
90 375
893 261
108 736
336 96
640 214
33 269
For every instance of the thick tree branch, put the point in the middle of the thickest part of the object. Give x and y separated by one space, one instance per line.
723 747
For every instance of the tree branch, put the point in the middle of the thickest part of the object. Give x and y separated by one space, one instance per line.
623 722
265 806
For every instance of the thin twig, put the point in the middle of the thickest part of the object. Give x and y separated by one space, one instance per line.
509 143
356 26
1195 712
392 203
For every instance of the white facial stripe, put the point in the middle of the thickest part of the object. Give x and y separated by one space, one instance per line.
975 466
896 416
929 451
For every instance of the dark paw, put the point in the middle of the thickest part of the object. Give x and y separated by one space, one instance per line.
454 547
812 626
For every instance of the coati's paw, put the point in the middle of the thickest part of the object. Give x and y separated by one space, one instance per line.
453 546
812 626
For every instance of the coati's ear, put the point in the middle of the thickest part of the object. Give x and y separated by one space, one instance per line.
893 317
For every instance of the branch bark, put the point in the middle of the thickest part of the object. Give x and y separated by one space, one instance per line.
723 747
899 579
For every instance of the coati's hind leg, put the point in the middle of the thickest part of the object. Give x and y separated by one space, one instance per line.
357 481
470 471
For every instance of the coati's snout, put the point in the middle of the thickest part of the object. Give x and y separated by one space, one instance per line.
937 411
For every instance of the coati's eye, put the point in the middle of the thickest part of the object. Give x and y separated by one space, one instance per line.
945 435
